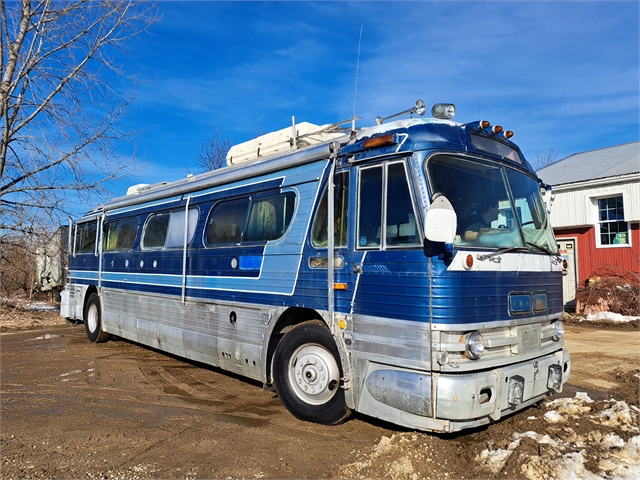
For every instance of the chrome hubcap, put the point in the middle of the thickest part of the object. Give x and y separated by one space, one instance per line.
92 318
314 375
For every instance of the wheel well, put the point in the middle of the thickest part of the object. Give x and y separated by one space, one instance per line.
289 319
92 289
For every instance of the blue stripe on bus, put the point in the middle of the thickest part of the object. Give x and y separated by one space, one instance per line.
82 275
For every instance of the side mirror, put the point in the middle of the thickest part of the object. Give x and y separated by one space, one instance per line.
441 221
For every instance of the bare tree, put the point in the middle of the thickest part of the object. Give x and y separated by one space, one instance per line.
63 98
212 153
545 160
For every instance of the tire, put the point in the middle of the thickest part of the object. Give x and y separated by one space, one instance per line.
307 374
93 320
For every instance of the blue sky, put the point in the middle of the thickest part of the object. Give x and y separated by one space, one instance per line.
564 76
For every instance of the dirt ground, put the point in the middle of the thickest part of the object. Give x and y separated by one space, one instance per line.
73 409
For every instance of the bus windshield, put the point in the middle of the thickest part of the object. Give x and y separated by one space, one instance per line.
496 206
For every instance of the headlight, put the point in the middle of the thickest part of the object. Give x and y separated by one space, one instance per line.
474 345
559 327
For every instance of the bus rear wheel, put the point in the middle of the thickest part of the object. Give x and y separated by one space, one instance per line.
307 374
93 320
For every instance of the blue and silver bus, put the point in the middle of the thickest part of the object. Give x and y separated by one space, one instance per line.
407 271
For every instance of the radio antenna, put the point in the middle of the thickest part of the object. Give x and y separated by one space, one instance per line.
355 93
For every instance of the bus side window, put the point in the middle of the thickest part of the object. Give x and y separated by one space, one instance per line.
109 237
269 217
175 231
127 230
154 233
120 234
86 238
319 235
166 230
401 226
226 222
370 207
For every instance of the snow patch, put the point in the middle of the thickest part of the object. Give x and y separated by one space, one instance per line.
553 417
613 317
40 306
567 453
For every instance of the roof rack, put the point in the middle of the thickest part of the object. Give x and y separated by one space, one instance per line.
296 137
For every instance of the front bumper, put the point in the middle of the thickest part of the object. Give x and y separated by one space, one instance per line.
452 402
500 391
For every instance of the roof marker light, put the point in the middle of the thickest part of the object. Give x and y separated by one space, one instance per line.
379 141
497 129
484 124
508 134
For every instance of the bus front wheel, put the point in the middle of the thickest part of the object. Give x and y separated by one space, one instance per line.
93 320
307 375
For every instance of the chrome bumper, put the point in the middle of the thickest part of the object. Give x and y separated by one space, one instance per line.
502 390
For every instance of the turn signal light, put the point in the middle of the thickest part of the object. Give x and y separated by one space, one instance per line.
468 262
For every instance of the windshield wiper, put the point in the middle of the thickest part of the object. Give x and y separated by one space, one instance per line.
500 251
543 248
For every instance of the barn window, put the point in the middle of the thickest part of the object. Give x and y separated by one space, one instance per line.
612 229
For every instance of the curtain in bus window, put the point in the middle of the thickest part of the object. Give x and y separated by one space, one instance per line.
262 221
319 236
175 233
370 207
226 222
110 236
401 226
120 234
269 217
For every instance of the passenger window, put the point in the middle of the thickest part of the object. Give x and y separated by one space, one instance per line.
86 238
227 221
385 189
175 232
270 217
120 234
166 230
155 231
320 232
370 207
266 217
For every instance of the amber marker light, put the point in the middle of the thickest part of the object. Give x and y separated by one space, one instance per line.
380 141
342 324
497 129
508 134
468 262
484 124
339 286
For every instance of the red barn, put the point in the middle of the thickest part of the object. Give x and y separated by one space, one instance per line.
595 212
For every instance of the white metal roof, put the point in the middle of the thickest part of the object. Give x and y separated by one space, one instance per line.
602 163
